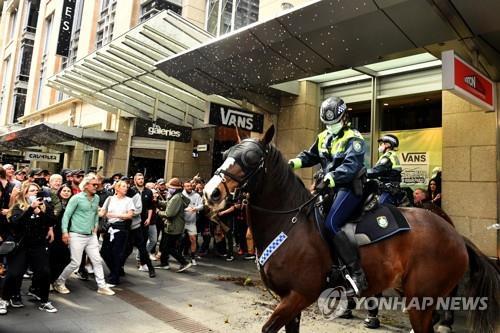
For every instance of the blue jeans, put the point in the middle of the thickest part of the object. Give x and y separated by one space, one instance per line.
343 206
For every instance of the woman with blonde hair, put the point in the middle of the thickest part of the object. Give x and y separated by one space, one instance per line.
118 209
29 222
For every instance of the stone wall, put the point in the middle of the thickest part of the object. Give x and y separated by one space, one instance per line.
470 171
298 125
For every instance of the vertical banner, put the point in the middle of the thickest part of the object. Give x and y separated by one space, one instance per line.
66 27
420 151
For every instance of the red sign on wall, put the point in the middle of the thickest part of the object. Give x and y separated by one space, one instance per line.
464 80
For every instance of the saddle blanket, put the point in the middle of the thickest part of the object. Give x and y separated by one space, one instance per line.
376 225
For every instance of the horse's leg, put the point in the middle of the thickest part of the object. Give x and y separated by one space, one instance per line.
448 317
294 325
421 320
372 321
289 307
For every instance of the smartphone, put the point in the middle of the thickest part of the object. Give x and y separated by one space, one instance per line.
40 195
32 198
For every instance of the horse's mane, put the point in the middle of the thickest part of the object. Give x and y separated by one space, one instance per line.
283 176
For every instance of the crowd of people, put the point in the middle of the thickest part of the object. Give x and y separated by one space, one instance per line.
76 224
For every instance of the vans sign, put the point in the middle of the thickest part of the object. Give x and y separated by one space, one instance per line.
42 157
231 117
161 129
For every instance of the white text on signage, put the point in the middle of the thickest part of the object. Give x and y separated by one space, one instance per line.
236 118
156 129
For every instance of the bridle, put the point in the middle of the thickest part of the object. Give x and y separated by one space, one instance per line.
240 192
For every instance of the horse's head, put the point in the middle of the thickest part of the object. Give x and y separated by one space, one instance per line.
242 164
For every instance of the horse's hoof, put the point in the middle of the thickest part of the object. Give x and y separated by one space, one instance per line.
372 322
347 314
443 329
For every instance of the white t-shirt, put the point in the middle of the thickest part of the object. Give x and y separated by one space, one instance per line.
119 206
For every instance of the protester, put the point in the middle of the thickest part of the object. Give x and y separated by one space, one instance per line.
30 222
82 212
118 209
174 226
190 214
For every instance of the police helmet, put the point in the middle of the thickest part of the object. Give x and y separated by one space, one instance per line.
332 110
390 139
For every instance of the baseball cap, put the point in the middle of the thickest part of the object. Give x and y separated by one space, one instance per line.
160 181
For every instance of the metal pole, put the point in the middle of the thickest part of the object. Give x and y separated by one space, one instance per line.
374 122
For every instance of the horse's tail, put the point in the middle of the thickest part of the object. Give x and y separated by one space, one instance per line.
484 282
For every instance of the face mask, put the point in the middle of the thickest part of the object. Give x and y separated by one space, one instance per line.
334 128
40 181
381 149
171 190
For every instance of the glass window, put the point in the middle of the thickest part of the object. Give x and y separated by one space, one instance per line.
153 7
23 72
32 17
411 112
229 15
19 103
12 23
105 24
360 115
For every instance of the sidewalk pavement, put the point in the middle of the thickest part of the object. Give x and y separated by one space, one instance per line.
210 297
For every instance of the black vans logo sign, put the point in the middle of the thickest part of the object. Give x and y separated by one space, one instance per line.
414 158
231 117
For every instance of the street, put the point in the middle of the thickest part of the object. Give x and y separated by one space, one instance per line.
211 297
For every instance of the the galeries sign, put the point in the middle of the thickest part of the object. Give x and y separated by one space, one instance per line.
234 117
41 157
161 129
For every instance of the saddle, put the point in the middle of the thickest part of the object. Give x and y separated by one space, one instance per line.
371 223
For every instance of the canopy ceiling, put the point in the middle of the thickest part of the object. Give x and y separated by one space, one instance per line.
327 36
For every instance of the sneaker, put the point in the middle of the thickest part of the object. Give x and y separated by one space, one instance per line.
105 291
152 273
230 258
26 276
165 267
47 307
33 293
143 268
110 285
84 276
152 257
193 262
3 307
240 252
61 288
16 301
249 256
184 267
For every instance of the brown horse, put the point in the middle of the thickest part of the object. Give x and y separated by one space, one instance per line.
428 261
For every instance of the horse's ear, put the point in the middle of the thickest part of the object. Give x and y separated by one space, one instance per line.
269 135
237 134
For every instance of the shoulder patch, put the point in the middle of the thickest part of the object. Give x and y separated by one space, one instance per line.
356 145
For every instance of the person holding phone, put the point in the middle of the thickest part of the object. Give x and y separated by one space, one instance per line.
29 223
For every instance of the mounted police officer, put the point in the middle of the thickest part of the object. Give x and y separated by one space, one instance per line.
387 169
340 151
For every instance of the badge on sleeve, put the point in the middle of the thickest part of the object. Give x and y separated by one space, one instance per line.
356 145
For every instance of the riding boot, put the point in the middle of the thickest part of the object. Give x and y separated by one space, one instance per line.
348 253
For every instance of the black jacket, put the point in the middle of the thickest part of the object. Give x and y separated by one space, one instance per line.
30 229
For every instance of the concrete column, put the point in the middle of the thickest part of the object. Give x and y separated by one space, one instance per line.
194 11
116 158
298 124
469 170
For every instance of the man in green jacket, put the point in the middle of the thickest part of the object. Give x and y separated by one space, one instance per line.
82 211
174 226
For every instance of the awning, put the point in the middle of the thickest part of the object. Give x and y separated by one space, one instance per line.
122 76
327 36
54 135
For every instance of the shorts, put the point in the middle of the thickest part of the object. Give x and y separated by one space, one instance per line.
191 229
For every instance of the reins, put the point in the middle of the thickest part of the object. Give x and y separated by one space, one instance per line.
283 212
